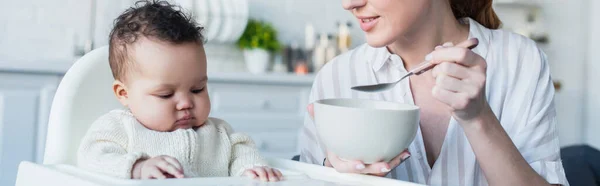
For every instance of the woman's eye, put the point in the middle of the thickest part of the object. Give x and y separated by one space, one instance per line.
196 91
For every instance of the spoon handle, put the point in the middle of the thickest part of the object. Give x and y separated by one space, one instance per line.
427 65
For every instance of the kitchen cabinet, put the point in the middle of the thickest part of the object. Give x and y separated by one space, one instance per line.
25 100
269 108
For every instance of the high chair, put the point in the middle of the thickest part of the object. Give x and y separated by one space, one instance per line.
85 93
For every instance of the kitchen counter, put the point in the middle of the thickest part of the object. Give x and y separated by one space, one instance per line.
62 66
45 67
270 78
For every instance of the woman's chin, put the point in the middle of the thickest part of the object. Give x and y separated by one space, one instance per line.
377 42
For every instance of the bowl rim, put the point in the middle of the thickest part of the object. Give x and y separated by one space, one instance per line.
412 107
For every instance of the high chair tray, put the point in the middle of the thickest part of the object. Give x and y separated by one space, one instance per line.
295 174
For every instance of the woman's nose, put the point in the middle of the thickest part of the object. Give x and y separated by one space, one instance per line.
352 4
185 103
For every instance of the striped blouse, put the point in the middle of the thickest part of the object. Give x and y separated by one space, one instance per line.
519 90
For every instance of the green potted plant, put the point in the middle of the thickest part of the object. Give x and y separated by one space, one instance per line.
257 42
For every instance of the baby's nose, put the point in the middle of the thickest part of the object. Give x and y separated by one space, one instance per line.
185 104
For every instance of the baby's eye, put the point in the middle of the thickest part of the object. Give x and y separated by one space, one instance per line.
165 96
196 91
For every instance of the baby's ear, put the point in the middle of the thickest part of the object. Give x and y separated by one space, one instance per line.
120 91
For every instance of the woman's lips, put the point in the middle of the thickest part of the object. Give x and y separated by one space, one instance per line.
367 23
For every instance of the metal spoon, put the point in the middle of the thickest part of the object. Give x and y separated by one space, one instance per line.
424 67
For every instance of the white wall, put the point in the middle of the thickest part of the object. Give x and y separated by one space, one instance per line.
565 22
592 109
291 16
45 31
48 30
566 52
40 29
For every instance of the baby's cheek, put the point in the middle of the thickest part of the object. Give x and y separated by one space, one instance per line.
155 116
203 107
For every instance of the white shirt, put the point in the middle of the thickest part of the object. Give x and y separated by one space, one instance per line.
519 90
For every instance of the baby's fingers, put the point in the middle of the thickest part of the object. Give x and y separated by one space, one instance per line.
271 174
278 174
154 173
173 162
262 174
250 173
169 169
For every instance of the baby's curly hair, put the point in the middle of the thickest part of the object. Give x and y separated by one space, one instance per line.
153 19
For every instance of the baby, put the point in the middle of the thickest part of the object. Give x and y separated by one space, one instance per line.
159 65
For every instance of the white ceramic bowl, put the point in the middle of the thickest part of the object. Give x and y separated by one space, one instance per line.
367 130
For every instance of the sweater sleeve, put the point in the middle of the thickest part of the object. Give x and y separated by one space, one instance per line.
244 154
104 148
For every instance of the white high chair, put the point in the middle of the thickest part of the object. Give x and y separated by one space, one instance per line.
85 94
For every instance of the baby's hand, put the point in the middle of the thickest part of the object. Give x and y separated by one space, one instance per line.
263 173
159 167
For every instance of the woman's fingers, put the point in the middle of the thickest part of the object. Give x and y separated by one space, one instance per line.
311 112
399 159
352 166
449 83
346 166
448 44
381 168
451 69
377 168
459 55
456 100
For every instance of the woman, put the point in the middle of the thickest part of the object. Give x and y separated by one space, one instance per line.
487 114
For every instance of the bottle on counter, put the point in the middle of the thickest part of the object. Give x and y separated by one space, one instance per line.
309 46
290 56
343 37
320 51
279 65
331 50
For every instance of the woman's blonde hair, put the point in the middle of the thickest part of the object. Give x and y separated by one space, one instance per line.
479 10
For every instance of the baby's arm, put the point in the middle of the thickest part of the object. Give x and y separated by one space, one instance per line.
104 149
247 161
245 158
244 154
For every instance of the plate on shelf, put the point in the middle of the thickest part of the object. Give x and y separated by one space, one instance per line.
240 19
227 11
214 20
201 14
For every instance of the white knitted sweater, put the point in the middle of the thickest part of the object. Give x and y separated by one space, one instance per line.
116 140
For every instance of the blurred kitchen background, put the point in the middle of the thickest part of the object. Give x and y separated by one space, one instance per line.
40 40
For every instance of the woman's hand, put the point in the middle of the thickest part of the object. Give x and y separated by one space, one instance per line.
460 77
353 166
